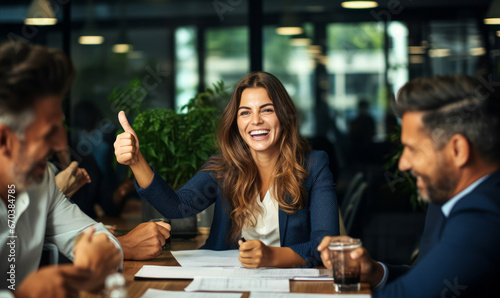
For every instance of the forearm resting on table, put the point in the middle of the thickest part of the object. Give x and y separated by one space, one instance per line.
285 257
128 250
142 172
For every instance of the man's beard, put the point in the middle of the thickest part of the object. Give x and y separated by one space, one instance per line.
440 190
22 171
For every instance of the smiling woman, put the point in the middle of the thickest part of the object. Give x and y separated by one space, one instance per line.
257 122
266 184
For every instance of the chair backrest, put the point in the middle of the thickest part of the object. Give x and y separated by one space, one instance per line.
352 200
50 254
351 187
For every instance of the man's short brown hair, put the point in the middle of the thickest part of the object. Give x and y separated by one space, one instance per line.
456 104
28 72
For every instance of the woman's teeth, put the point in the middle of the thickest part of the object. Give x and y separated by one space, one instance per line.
259 132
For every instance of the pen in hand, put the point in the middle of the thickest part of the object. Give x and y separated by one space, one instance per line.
240 242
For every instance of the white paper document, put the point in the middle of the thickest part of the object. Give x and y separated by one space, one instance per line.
207 258
324 275
236 284
154 293
288 273
304 295
175 272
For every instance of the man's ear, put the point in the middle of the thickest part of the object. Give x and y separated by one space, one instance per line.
7 141
460 150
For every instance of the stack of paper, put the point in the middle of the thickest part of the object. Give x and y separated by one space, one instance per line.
173 272
304 295
154 293
217 271
235 284
207 258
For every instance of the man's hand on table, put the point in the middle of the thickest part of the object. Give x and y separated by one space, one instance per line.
54 281
97 253
371 271
145 241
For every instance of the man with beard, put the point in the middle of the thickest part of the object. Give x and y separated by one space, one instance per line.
33 81
450 133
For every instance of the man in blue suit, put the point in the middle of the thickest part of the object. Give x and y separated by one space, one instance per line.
451 138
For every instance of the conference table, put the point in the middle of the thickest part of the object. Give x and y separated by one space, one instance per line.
136 288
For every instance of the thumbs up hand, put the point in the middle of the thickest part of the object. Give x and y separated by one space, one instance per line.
126 144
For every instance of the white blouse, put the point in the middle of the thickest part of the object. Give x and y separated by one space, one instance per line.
267 228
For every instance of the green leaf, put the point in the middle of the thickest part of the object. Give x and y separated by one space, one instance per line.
151 152
165 139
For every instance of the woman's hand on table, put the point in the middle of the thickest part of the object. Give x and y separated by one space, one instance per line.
255 254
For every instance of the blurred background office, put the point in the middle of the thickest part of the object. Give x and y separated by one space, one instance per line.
341 62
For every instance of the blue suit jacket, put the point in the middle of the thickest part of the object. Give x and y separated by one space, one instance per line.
302 231
434 224
461 254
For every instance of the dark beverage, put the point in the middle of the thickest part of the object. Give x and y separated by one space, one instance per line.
346 271
347 280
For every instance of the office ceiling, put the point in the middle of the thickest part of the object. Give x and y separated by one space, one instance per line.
280 4
11 11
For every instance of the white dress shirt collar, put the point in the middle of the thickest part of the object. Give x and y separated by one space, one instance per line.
446 208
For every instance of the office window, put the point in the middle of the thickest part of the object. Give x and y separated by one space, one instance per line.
186 75
294 67
397 74
226 55
356 64
455 47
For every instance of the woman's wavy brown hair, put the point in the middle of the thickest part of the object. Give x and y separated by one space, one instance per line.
235 169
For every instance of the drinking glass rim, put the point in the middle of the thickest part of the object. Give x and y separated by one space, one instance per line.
344 243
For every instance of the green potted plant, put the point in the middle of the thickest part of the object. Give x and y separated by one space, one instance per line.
177 144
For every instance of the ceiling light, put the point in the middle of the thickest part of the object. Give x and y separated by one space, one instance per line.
289 30
300 40
477 51
492 16
416 50
40 14
90 39
122 44
290 23
439 53
121 48
359 4
90 34
492 21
